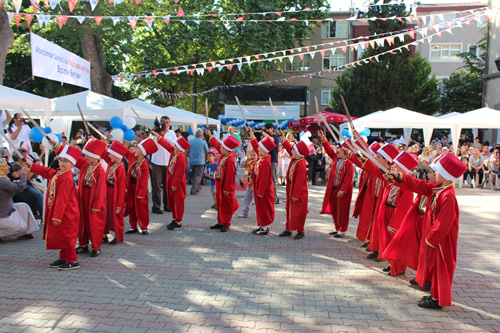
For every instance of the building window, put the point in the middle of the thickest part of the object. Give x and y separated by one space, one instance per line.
335 30
474 49
334 60
326 96
299 65
445 52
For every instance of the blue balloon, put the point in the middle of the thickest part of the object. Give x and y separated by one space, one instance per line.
190 131
47 130
116 122
124 128
129 135
366 132
59 137
36 135
345 132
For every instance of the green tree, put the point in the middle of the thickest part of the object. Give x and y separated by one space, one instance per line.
394 80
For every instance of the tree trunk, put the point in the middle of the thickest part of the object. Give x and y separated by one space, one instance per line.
101 81
6 41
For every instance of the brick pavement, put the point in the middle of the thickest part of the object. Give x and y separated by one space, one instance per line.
200 280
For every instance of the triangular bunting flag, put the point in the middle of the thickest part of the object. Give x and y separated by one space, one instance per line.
17 5
29 18
72 5
322 53
115 19
80 19
149 21
61 19
53 3
133 22
229 67
93 4
180 11
17 18
98 20
137 2
312 54
239 65
154 72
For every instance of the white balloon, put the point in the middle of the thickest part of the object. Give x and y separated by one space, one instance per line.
57 126
190 137
46 143
129 122
117 134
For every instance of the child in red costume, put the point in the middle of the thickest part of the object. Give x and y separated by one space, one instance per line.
62 214
225 179
337 200
439 255
296 188
116 180
263 189
176 178
137 186
91 197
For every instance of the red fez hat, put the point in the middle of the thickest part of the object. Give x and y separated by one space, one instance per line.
388 151
230 143
450 167
182 144
301 148
70 153
267 144
118 149
94 148
148 146
405 161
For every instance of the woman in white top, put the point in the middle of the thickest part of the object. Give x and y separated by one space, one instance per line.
476 165
424 160
285 158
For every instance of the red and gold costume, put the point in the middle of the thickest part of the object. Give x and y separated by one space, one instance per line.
296 188
137 192
340 180
366 203
116 181
176 178
225 179
263 188
61 205
438 258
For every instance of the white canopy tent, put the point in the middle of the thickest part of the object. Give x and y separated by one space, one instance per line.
193 118
174 119
480 118
357 122
95 107
406 119
13 99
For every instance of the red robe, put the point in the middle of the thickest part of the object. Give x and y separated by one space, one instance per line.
366 203
263 186
225 179
92 199
438 258
61 204
405 246
137 192
116 177
296 188
176 177
340 180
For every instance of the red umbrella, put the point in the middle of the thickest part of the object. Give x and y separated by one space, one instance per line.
303 123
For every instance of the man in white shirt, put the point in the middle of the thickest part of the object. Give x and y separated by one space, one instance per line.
159 163
5 119
20 133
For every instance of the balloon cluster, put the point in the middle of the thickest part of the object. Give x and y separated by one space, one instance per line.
53 131
235 122
364 132
122 129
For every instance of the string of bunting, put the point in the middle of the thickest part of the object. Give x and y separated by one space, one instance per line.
425 38
180 17
301 52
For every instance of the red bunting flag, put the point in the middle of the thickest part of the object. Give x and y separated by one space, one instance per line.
137 2
344 49
133 23
241 18
35 4
166 21
411 34
176 1
278 13
61 19
180 11
72 5
230 67
322 53
17 18
139 76
98 20
301 56
29 18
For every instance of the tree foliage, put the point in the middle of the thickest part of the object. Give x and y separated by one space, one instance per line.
401 79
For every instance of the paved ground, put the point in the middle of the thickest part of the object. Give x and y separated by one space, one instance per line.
200 280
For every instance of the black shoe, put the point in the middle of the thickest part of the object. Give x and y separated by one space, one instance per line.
131 231
387 268
156 211
285 233
113 242
428 303
216 226
82 249
365 245
277 201
368 249
167 209
299 235
174 225
105 239
224 228
57 263
339 235
69 266
413 282
373 255
333 233
95 253
260 231
427 286
145 232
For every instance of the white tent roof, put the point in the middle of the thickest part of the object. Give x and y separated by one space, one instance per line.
174 119
15 99
193 117
448 115
480 118
357 122
95 107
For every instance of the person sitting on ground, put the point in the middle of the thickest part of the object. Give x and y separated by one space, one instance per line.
30 195
16 219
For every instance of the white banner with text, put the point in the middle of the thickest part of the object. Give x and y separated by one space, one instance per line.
263 112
